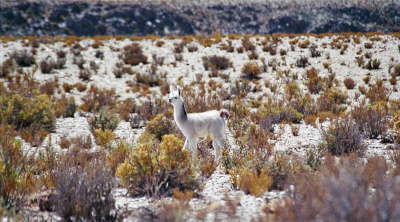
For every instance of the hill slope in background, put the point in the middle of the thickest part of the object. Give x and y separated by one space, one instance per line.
163 18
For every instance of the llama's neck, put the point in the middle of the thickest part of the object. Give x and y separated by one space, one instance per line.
180 114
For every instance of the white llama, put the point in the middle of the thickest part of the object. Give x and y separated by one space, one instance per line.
196 125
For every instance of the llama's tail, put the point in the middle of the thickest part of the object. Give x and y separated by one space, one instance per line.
224 114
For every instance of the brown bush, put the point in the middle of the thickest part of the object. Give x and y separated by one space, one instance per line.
333 100
84 193
95 99
372 120
248 45
337 187
133 55
343 137
85 74
378 92
7 68
349 83
302 62
23 58
218 62
251 70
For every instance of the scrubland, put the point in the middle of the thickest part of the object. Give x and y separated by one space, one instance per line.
87 133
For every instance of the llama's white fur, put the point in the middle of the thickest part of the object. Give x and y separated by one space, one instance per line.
197 125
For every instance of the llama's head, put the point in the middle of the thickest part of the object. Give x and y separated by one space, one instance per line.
174 96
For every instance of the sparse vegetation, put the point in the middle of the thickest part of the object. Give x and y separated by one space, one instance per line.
300 119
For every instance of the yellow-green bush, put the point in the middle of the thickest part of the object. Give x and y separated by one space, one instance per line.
159 126
103 137
117 155
251 181
155 169
33 116
22 111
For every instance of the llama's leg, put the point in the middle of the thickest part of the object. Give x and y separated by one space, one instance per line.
186 145
193 146
218 144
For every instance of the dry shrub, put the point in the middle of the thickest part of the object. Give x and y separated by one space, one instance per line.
281 168
251 70
81 142
343 137
133 55
332 100
125 108
85 74
48 87
248 45
6 68
396 126
28 114
159 126
278 113
314 52
104 137
378 92
252 182
96 99
302 62
200 101
65 107
47 65
314 83
16 171
105 119
84 192
349 83
23 58
217 62
372 120
271 48
154 169
372 64
117 155
207 160
149 108
348 191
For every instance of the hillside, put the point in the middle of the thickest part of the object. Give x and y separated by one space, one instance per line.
106 17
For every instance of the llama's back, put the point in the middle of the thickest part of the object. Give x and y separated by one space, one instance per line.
207 123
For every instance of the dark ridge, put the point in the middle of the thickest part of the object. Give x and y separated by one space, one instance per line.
85 19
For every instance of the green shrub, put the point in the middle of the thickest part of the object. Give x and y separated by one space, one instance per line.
105 120
155 169
159 126
22 112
